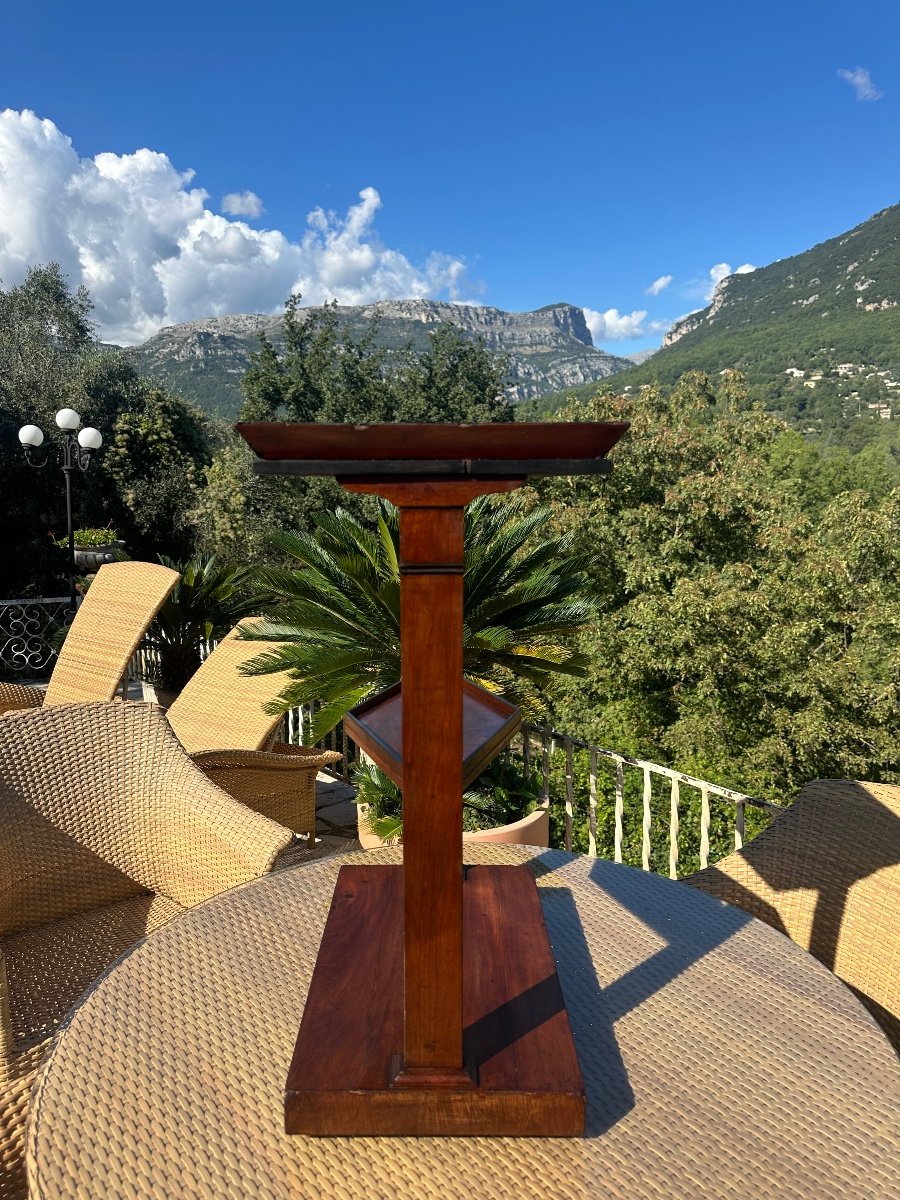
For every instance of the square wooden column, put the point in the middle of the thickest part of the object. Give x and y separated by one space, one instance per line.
431 614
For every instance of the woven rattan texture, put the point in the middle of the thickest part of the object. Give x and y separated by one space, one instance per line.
48 967
107 829
105 632
827 874
280 785
99 801
221 709
15 696
720 1061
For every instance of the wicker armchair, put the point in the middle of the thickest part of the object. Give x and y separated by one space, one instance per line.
108 829
105 632
827 874
219 719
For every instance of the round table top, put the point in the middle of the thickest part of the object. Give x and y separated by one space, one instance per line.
719 1060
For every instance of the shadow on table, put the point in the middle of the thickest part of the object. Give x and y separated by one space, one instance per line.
607 1088
593 1009
672 915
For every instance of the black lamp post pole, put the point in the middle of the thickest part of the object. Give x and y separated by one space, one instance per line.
77 450
67 471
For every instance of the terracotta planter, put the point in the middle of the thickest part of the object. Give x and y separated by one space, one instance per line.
533 830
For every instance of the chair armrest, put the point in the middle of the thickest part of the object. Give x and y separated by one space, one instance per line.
16 696
279 783
106 789
201 840
282 757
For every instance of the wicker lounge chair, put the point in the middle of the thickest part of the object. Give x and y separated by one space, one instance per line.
827 874
108 830
219 719
110 622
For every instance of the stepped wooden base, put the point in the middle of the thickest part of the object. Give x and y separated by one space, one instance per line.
522 1076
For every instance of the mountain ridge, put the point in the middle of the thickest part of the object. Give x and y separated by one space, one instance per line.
549 348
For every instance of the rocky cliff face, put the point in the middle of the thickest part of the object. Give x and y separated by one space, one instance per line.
705 316
548 349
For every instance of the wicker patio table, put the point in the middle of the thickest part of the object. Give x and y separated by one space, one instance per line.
719 1060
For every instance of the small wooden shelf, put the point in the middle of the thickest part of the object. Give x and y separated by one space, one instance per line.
489 724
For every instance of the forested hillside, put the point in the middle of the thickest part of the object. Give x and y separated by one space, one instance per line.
816 336
749 585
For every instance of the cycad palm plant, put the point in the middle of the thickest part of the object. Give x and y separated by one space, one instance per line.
207 601
337 609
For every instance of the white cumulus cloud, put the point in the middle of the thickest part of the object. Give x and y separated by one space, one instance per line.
242 204
658 285
133 230
721 271
613 326
861 82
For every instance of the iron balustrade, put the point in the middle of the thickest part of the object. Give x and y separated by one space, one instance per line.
27 629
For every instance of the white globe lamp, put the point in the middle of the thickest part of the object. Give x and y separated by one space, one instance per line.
30 435
90 438
68 419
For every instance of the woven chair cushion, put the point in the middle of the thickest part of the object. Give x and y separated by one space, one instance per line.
107 629
827 874
15 696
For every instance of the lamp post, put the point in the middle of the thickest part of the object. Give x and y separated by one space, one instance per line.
78 447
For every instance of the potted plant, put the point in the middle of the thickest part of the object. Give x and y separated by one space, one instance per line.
94 547
503 805
335 608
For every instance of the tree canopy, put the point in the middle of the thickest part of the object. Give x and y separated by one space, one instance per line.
323 374
141 482
750 625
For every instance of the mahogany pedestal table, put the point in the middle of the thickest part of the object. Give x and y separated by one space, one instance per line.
461 945
720 1061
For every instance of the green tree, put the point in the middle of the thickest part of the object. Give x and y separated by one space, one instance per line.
51 359
323 374
747 632
45 353
155 459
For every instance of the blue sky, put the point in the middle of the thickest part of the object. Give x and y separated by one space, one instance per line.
515 154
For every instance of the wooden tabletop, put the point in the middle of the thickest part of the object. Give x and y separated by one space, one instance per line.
719 1060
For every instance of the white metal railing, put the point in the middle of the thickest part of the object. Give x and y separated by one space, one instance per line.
553 755
550 742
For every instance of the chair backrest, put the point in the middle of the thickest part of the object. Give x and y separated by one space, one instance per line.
221 709
107 629
827 874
